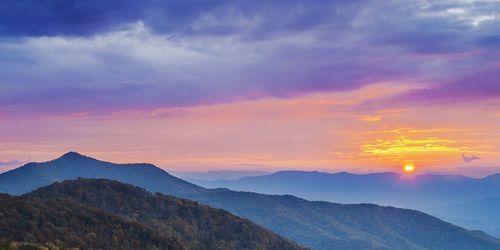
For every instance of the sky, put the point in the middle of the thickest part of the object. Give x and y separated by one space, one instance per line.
359 86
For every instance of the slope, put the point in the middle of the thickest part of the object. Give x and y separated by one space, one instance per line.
482 214
95 214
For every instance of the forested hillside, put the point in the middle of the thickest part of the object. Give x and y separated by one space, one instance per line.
104 214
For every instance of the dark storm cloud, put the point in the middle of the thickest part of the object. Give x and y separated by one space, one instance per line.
84 18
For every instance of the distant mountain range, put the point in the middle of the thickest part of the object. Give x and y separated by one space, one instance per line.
320 225
401 190
217 175
481 215
435 194
104 214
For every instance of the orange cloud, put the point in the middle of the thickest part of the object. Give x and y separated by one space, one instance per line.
370 118
403 145
324 131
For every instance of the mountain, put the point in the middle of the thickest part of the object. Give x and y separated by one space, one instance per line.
73 165
104 214
401 190
217 175
320 225
327 225
430 193
481 214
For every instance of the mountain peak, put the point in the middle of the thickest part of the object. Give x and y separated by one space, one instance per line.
73 155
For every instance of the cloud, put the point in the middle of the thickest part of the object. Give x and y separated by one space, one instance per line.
479 85
178 18
468 159
483 84
135 68
62 57
404 146
10 163
370 118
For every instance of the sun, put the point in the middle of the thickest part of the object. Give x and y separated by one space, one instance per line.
409 168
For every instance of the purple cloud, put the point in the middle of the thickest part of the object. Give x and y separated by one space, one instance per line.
8 165
468 159
93 56
480 85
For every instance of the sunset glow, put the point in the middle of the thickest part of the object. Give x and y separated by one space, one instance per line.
254 91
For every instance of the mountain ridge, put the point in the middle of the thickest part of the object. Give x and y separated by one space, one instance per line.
35 174
432 193
386 188
321 225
